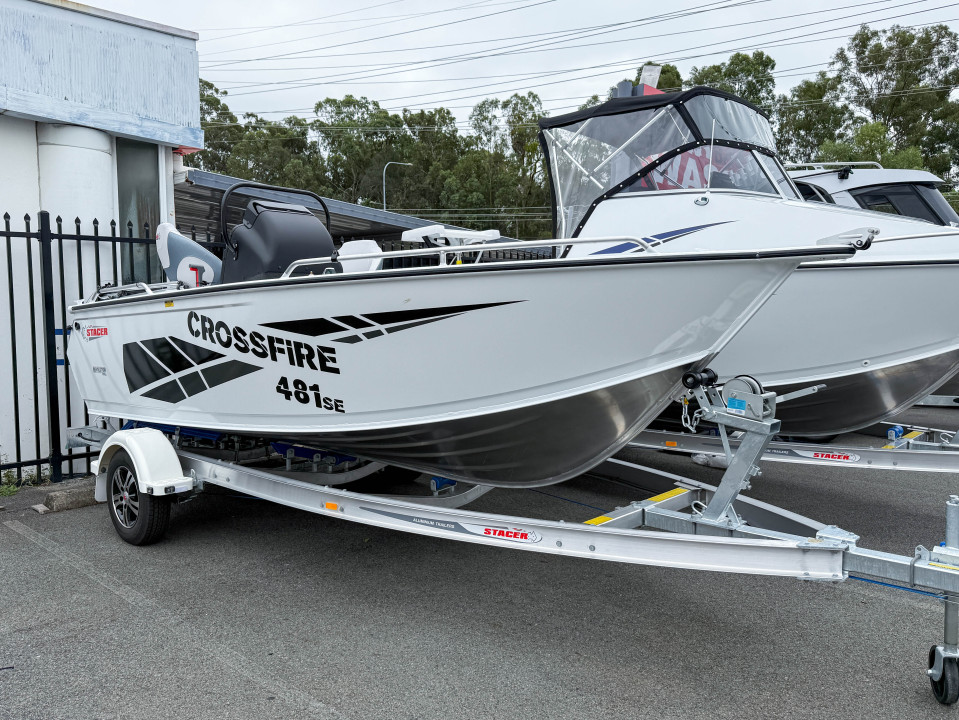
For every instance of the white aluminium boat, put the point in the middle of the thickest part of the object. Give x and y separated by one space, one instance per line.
698 171
516 373
870 186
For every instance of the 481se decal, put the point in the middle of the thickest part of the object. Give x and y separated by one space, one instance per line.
303 393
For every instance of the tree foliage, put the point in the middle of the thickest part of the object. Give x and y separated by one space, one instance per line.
482 179
902 78
813 113
748 76
885 98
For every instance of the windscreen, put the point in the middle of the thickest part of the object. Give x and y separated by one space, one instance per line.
731 168
590 157
776 172
734 121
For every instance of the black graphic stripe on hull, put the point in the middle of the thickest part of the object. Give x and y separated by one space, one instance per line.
192 371
377 322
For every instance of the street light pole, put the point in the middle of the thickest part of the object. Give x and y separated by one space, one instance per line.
391 162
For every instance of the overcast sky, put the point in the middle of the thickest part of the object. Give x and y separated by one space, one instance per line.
279 57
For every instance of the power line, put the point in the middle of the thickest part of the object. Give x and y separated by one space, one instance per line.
564 47
494 52
340 14
707 7
395 68
382 37
632 61
325 20
367 129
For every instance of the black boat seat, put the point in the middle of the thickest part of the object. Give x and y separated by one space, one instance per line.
184 260
273 235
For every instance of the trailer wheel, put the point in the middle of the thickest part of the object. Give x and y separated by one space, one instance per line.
946 688
138 519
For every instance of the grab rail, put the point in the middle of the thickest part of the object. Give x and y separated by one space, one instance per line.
480 248
917 236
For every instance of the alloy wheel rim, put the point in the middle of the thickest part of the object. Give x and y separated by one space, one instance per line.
125 498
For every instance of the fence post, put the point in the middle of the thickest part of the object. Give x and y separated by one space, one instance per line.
50 347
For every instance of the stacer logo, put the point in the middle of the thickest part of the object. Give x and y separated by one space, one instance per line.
92 332
514 534
837 456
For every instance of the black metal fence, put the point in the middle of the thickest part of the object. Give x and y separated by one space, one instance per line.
45 267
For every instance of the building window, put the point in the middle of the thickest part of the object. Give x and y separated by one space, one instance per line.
138 195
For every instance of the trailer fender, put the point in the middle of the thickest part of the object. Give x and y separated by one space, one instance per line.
154 459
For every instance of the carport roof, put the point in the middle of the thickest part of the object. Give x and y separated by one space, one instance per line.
197 201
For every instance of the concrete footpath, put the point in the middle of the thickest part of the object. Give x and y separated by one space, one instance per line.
250 610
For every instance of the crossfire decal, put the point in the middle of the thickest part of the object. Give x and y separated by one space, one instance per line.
191 369
296 353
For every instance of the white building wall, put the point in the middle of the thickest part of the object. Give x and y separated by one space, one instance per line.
72 80
76 166
69 63
19 172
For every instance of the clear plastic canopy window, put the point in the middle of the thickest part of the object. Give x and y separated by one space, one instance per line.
591 157
734 121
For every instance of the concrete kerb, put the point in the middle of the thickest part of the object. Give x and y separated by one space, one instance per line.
77 495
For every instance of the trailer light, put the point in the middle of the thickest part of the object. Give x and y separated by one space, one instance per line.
671 443
169 489
332 506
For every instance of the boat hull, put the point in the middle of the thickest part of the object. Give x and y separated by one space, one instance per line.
875 329
852 402
510 375
557 440
876 353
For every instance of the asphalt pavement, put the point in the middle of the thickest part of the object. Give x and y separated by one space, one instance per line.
252 610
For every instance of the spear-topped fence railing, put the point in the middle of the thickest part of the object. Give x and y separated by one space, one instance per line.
45 265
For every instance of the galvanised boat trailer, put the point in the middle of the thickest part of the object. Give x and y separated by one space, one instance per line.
141 471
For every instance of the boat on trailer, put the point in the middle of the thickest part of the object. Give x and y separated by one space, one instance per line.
698 170
513 373
675 522
912 193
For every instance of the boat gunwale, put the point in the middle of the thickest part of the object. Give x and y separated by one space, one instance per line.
521 265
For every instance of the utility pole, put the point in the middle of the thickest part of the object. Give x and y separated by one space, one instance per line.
391 162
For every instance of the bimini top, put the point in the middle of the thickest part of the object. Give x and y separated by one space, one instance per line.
657 142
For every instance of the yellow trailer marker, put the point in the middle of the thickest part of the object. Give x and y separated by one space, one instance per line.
668 494
658 498
908 436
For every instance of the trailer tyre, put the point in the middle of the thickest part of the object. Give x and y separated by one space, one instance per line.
138 519
946 688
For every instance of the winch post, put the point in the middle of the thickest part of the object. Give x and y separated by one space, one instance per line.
742 466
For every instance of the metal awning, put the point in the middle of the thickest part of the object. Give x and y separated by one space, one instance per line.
197 201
